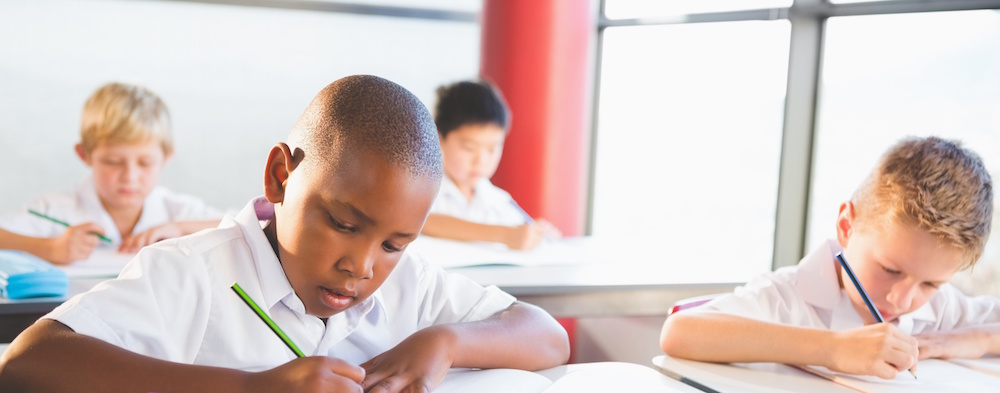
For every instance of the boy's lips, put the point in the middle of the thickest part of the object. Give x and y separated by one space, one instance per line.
337 299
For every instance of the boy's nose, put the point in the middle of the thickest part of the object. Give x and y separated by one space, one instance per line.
359 265
901 297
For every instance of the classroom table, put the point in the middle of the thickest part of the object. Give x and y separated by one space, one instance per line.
563 282
934 375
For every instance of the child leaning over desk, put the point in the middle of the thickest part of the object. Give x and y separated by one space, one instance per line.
322 253
472 121
921 215
125 139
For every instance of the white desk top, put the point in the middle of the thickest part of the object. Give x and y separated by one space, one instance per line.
934 376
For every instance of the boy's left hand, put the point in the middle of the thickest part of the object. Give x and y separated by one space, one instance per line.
132 244
418 364
966 344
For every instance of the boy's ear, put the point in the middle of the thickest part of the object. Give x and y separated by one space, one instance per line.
279 167
82 154
845 223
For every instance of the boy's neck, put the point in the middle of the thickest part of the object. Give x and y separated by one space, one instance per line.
467 190
125 218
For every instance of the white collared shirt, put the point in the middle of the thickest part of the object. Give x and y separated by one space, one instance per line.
489 205
809 295
174 302
83 205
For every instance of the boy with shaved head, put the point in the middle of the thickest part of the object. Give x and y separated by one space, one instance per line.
322 253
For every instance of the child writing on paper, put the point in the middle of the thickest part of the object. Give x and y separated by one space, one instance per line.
125 139
921 215
472 122
323 254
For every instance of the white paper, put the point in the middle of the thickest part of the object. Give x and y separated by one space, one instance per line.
451 254
103 263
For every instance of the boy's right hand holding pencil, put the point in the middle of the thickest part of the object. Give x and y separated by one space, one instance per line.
879 349
308 374
530 235
76 243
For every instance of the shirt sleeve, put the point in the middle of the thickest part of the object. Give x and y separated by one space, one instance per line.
444 297
24 223
158 306
955 310
769 298
188 207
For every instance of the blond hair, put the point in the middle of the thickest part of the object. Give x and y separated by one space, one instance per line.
935 184
124 113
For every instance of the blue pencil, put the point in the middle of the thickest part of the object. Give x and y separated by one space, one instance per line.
527 218
864 295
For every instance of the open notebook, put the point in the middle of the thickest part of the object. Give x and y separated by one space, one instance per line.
103 263
451 254
575 378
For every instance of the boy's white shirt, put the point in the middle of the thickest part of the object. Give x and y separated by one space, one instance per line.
809 295
174 302
83 205
489 205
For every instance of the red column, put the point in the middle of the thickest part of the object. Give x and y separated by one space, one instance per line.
540 54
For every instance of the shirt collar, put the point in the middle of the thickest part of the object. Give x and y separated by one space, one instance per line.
818 284
90 202
273 282
816 280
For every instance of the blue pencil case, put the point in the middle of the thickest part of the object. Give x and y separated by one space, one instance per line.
24 275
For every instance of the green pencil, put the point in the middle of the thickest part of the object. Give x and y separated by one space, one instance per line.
67 225
270 323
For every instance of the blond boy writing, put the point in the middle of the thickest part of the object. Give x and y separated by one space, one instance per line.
125 139
923 214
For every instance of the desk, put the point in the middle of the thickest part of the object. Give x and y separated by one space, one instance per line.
615 280
934 376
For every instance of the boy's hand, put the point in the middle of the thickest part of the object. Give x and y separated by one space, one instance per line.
309 374
76 243
968 344
132 244
418 364
879 349
551 232
525 237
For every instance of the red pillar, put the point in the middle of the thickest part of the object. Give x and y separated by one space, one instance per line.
540 54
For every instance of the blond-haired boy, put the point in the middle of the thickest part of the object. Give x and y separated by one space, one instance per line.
922 215
125 138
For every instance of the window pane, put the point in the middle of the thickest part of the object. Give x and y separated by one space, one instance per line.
626 9
890 76
688 143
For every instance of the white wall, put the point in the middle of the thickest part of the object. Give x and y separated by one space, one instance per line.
235 79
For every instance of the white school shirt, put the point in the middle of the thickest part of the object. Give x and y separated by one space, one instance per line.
174 301
809 295
83 205
489 205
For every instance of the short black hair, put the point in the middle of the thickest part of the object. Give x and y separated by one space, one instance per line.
469 102
365 112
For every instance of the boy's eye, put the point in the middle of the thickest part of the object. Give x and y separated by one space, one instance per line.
342 227
890 271
390 248
932 285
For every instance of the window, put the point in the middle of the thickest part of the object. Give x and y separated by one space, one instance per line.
688 142
890 76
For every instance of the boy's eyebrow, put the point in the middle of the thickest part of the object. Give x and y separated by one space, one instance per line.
364 218
360 215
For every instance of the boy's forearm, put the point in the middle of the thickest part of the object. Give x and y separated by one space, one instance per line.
728 339
522 336
448 227
50 357
40 247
